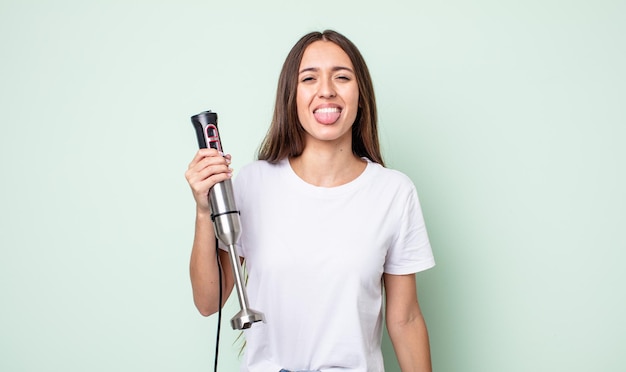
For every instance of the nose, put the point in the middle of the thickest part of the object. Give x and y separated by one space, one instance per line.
326 88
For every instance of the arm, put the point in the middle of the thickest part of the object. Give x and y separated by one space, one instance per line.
206 169
405 324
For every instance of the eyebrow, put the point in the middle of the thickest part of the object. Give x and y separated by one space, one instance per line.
334 69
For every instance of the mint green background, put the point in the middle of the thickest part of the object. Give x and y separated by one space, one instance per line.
508 115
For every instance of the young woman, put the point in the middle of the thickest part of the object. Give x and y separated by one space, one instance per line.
325 226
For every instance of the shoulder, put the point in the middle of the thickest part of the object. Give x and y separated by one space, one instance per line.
390 178
393 188
256 171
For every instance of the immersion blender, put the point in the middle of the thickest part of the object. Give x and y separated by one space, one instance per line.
225 218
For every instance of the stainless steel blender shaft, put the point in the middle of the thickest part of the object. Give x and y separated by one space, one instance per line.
228 229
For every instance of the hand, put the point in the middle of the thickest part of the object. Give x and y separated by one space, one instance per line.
206 169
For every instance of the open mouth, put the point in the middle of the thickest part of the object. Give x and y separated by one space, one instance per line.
327 115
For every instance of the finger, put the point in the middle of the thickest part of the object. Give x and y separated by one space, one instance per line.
207 167
201 188
202 174
216 163
204 153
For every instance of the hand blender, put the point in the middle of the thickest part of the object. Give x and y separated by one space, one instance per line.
225 218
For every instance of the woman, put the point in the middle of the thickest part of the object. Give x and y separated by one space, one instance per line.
325 226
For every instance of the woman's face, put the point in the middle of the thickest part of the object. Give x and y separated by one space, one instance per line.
328 94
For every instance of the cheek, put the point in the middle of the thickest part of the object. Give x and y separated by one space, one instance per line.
301 105
301 99
352 95
354 100
355 106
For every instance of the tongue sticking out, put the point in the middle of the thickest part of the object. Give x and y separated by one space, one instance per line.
327 116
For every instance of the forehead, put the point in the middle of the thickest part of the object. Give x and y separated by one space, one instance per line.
321 54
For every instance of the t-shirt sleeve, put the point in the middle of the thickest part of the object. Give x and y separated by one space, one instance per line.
410 251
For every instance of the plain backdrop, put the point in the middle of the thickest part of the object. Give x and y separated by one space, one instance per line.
509 116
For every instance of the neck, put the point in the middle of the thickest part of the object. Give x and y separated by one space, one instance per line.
327 166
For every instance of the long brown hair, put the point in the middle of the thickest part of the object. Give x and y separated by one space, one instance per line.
285 137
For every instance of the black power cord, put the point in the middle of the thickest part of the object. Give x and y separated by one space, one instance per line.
219 311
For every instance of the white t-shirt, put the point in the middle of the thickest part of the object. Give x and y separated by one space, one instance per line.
315 258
